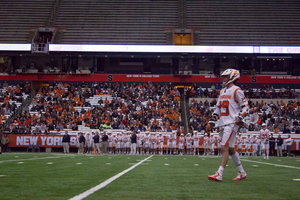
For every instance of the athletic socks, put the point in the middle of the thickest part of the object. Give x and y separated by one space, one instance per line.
236 160
221 170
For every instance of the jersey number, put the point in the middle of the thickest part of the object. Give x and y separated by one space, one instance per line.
225 106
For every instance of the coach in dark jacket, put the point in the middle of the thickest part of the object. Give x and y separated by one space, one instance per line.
96 139
104 143
81 143
133 143
279 142
272 145
66 142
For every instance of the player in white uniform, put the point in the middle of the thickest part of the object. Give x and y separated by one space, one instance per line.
118 143
231 108
219 139
110 142
181 144
169 144
147 142
128 142
153 143
92 143
212 142
205 144
139 142
160 140
88 144
174 142
254 146
196 139
188 140
265 135
239 142
248 145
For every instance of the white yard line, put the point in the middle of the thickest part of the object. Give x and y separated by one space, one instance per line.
270 164
105 183
27 159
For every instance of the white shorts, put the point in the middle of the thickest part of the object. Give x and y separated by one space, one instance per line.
188 146
153 146
174 145
168 145
110 144
212 147
248 146
196 145
204 146
160 145
88 145
146 145
228 134
266 146
138 144
128 145
118 145
219 145
262 147
180 146
240 146
254 147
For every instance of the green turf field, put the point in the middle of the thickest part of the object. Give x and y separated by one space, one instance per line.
59 176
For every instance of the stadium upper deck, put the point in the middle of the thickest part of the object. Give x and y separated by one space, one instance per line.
229 22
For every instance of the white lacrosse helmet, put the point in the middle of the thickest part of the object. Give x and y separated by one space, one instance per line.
234 75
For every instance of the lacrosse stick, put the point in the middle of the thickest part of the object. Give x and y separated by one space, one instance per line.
247 121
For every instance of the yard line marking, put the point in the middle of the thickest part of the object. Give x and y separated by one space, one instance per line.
195 164
78 163
255 165
271 164
166 164
20 162
105 183
296 179
2 175
49 163
108 163
27 159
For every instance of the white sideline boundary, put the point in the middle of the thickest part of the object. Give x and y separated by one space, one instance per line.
286 166
105 183
2 161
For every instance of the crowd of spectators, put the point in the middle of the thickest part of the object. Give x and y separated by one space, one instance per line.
265 92
279 116
60 106
10 97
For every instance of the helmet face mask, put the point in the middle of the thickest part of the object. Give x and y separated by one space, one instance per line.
232 74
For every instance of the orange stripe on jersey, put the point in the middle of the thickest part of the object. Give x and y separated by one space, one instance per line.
228 139
234 95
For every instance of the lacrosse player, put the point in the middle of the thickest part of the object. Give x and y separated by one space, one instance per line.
231 109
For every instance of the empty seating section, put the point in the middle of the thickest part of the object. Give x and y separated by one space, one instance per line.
257 22
16 18
116 22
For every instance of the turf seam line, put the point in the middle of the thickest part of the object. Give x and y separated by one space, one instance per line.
271 164
105 183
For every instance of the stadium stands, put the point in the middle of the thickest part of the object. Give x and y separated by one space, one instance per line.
117 22
17 17
245 22
90 105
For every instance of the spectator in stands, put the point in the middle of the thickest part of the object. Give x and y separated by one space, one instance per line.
36 131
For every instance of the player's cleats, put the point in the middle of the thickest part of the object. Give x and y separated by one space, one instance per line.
267 157
215 177
240 176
